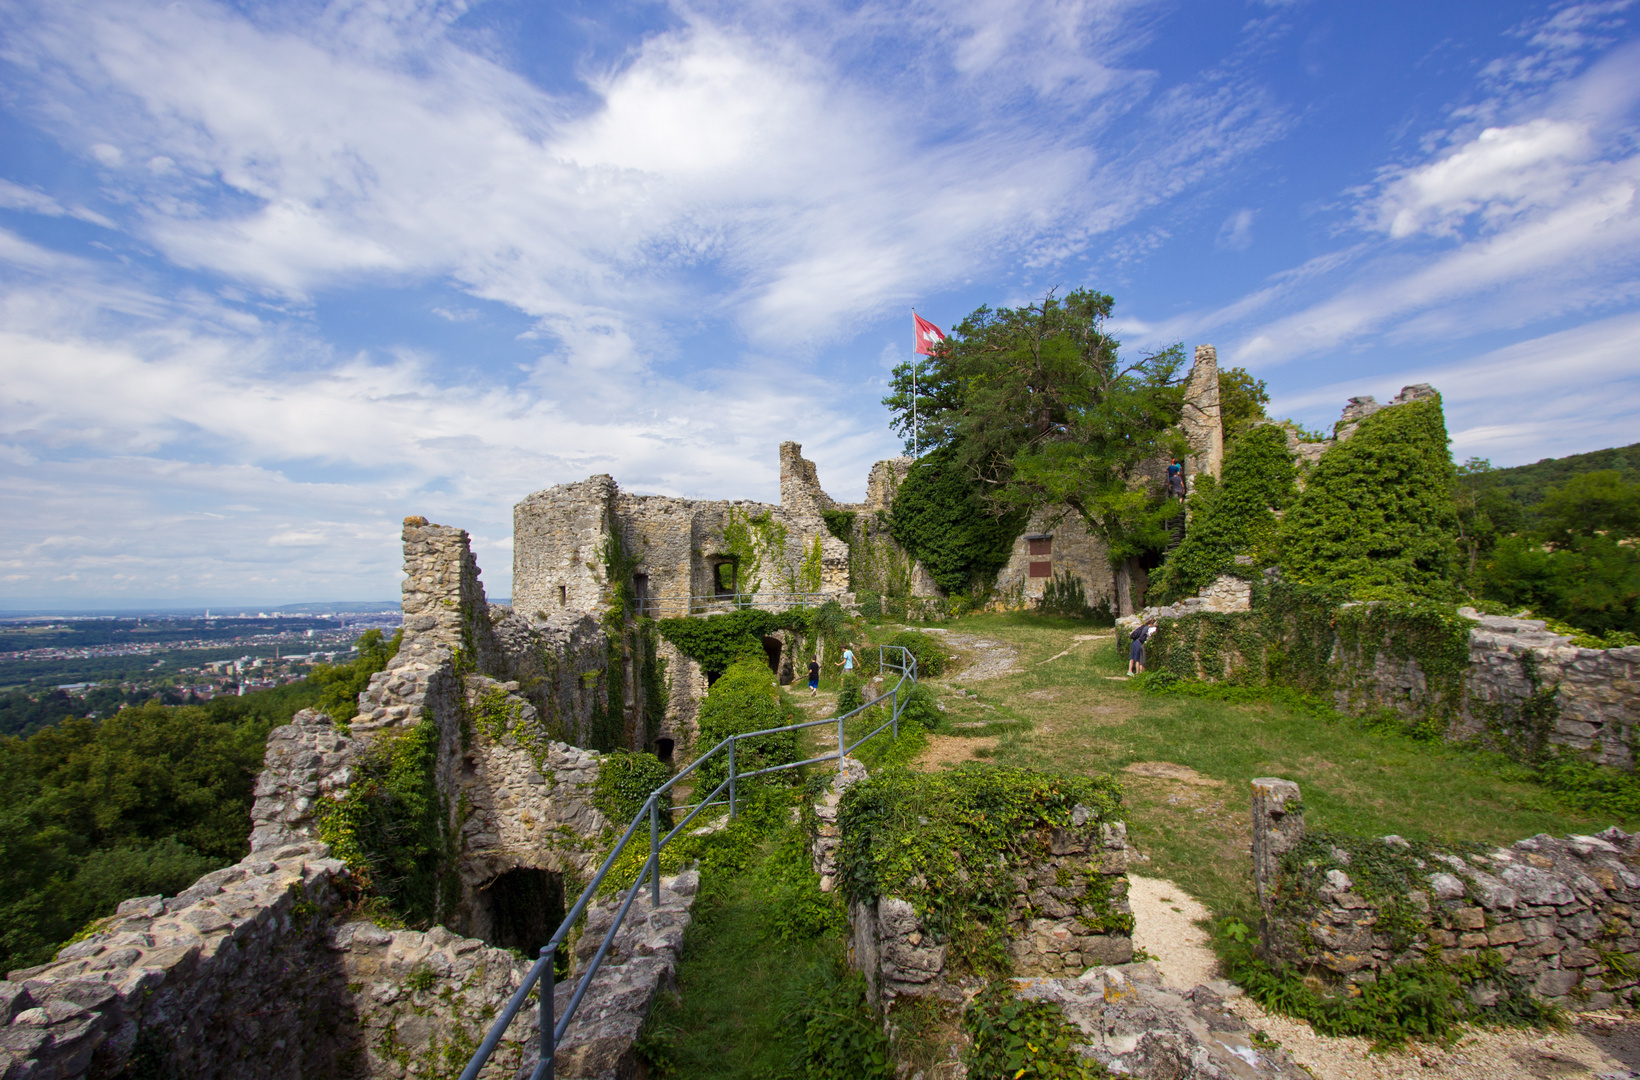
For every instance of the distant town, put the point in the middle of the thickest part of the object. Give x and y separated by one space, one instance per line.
97 663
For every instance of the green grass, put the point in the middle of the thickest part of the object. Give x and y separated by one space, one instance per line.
1354 780
742 981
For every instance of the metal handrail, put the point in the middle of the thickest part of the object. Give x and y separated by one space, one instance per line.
541 975
737 601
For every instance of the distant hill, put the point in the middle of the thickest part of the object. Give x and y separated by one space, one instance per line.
1528 483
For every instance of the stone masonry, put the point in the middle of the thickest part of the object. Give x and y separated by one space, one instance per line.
1559 912
1080 880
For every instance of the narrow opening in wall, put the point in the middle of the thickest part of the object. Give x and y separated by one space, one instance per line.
525 906
771 649
563 596
663 749
640 589
723 579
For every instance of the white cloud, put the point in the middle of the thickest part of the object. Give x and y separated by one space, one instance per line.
1236 234
1566 392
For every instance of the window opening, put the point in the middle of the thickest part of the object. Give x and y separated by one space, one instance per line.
663 749
723 578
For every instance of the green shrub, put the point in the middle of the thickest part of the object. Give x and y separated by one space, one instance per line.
932 659
1235 516
625 779
1016 1039
850 697
744 699
948 842
1377 512
799 911
940 519
843 1036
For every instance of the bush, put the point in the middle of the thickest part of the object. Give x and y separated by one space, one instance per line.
843 1036
718 641
932 659
1018 1039
1234 516
940 519
341 684
625 779
850 697
1377 511
744 699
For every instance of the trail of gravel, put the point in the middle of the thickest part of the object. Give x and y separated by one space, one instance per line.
987 658
1601 1046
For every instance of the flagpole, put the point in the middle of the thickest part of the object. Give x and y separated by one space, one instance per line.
913 383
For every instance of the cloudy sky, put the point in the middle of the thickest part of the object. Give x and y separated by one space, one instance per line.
275 275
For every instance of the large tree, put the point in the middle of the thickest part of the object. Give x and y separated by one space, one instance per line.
1037 409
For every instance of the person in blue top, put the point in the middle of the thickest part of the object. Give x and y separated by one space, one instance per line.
847 662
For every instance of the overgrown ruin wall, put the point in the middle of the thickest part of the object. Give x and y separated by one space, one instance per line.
268 968
1555 916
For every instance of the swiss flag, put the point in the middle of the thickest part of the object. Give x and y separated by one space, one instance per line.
925 335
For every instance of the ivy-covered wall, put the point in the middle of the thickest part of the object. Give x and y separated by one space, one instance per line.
1442 670
982 871
1479 934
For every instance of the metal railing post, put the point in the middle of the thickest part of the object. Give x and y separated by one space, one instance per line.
732 742
547 986
842 746
894 711
654 851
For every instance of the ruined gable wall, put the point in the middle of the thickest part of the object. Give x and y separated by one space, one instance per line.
1074 550
1202 420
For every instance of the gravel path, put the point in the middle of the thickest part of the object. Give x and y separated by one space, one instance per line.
986 658
1601 1046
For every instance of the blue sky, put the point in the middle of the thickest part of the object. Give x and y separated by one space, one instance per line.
274 276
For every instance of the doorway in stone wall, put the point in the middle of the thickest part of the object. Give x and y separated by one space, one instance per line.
664 748
771 648
521 909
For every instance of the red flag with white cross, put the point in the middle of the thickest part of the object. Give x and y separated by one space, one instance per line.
925 334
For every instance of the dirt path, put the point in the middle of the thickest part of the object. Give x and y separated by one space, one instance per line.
983 657
1600 1046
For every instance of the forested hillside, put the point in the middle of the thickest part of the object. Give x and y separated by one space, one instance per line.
95 811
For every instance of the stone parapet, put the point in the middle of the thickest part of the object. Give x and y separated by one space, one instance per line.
227 979
305 761
1555 915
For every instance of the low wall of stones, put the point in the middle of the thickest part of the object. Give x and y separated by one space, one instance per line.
1070 909
1555 916
1521 684
230 978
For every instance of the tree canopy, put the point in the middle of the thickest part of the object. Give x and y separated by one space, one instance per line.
1035 407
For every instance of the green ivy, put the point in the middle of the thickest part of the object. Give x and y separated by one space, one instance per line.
389 826
717 641
1235 516
843 1036
1018 1039
1377 511
840 523
625 779
940 519
946 842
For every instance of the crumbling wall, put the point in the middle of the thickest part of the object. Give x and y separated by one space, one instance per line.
1556 915
230 978
1201 421
1071 549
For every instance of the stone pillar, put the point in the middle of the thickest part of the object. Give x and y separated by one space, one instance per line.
1278 824
1201 421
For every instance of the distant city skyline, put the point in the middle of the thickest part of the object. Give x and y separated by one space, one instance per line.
276 276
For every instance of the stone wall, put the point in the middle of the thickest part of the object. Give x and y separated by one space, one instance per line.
1593 694
1073 550
1559 914
230 978
1070 908
558 548
1201 421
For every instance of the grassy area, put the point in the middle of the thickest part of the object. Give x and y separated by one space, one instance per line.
750 966
1072 711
